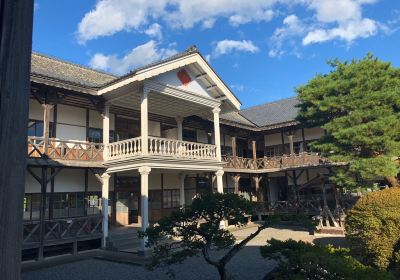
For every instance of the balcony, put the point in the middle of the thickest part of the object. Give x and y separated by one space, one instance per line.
56 150
273 163
161 147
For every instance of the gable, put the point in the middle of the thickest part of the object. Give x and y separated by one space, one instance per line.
184 79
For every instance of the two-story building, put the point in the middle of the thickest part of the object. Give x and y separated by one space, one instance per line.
107 151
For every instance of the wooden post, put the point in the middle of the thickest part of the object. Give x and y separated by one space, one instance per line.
42 212
236 178
254 148
291 144
15 57
46 125
233 139
217 134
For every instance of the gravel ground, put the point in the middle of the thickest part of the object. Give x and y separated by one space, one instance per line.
247 264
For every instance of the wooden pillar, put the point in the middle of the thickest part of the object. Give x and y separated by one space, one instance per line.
15 57
283 142
42 210
233 139
51 198
236 179
291 144
254 149
304 140
46 125
217 132
256 180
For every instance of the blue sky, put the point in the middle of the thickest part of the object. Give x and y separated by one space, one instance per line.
261 49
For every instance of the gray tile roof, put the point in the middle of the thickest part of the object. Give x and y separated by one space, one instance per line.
276 112
63 71
236 117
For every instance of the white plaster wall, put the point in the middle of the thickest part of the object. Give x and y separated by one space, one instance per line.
95 119
313 133
202 136
70 180
31 185
171 79
71 115
36 111
273 139
70 132
154 129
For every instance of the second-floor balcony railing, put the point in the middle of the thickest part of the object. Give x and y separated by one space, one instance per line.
161 147
277 162
64 149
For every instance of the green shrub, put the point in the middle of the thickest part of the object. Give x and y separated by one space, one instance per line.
373 228
300 260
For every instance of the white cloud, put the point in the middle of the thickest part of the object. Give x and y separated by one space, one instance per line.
292 27
347 14
237 87
139 56
111 16
228 46
332 20
154 30
348 32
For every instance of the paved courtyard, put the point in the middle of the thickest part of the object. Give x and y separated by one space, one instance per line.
247 264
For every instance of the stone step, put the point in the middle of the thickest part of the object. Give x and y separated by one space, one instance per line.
122 236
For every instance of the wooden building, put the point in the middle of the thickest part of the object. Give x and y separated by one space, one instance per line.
107 151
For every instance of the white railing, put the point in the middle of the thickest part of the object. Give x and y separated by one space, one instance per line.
160 147
181 149
125 148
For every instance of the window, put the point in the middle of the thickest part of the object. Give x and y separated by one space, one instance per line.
155 199
68 205
93 204
32 206
189 135
171 198
35 128
96 135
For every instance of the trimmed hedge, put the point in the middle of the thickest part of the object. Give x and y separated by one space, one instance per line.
373 228
300 260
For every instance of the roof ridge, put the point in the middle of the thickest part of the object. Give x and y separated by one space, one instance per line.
268 103
73 63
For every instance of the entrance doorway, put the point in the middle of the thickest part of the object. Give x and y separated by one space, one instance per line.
127 200
127 208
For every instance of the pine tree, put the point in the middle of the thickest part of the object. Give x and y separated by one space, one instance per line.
358 104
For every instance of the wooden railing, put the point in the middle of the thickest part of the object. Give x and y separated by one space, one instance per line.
181 149
285 161
125 148
64 150
160 147
59 230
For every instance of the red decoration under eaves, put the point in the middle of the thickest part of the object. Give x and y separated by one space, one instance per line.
184 77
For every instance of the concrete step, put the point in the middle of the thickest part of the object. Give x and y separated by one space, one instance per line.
122 236
123 241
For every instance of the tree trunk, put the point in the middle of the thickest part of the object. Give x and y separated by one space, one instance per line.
222 272
392 181
15 58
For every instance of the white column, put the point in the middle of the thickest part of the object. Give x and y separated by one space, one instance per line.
144 200
179 122
182 189
104 205
217 132
106 130
144 121
220 184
